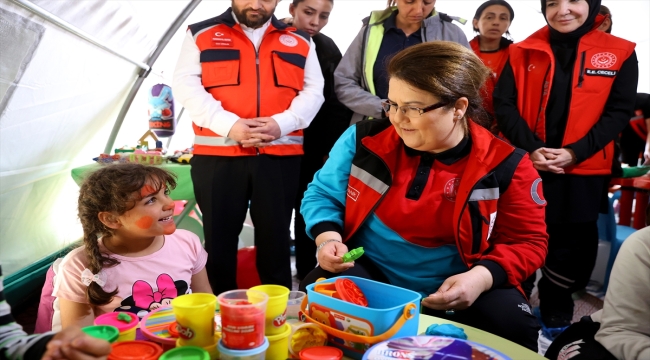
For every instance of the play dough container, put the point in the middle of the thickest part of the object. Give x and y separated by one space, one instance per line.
279 344
304 336
186 353
104 332
135 350
195 319
156 326
276 308
321 353
126 324
242 319
258 353
293 305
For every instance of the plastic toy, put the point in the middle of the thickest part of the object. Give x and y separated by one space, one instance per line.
161 110
353 255
343 289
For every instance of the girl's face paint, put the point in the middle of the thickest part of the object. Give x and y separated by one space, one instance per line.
152 215
144 222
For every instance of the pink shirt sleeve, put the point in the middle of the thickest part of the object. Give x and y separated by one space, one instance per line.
68 283
198 252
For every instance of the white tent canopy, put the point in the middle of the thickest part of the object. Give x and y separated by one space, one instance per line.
60 94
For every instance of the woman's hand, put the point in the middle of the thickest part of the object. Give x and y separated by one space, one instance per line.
460 291
330 255
74 344
552 160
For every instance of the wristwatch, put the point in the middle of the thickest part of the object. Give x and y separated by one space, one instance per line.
323 244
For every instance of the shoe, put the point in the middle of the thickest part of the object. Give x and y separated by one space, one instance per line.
552 326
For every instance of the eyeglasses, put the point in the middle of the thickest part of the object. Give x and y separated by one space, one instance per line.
410 111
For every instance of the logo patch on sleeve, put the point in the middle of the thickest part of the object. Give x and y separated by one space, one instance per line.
534 192
598 72
353 193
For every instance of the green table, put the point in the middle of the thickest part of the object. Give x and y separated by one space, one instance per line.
507 347
184 189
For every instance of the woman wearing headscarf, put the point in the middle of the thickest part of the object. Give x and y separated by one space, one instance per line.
491 22
565 95
360 79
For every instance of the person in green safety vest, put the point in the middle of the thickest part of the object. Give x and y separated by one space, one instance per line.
360 79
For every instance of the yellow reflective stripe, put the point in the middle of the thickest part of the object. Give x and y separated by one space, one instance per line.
375 35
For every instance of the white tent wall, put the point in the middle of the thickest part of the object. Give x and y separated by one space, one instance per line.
68 92
64 105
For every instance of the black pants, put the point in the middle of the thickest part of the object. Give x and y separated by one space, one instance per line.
504 312
305 246
572 251
223 187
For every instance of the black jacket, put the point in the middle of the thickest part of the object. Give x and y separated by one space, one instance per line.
333 117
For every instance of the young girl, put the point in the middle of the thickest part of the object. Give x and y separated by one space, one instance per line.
491 22
133 259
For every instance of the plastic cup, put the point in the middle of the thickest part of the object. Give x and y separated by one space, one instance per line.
195 319
135 350
293 305
186 353
126 324
104 332
304 336
276 309
258 353
242 318
279 345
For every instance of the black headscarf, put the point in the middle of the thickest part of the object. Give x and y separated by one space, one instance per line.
565 47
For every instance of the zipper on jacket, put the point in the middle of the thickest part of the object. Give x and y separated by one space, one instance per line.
581 77
541 98
460 217
257 69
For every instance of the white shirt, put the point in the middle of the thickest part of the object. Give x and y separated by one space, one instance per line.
206 111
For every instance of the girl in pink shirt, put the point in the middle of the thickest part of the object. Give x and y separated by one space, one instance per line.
133 259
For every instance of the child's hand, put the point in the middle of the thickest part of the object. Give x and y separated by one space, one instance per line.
74 344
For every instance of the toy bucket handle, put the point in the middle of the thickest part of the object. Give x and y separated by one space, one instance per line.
407 314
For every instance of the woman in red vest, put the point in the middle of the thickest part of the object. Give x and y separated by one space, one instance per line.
491 21
565 95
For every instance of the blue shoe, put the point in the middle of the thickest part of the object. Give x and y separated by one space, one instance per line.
551 332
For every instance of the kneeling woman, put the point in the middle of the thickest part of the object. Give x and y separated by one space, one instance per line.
440 205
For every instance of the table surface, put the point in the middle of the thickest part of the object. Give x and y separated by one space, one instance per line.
508 348
184 188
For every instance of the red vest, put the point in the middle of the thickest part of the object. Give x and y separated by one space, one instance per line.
491 81
599 58
250 83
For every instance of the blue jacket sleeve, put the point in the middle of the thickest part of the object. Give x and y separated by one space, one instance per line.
323 206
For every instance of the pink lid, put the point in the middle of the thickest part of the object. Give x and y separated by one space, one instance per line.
123 321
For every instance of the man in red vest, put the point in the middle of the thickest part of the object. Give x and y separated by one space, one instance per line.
251 84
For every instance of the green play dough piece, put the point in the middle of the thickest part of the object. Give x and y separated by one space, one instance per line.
104 332
124 317
353 255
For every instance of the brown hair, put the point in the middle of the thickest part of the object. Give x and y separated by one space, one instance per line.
447 70
604 10
113 188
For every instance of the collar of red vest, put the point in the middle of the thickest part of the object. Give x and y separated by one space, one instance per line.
488 150
227 19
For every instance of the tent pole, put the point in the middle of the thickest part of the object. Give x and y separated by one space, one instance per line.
143 74
76 31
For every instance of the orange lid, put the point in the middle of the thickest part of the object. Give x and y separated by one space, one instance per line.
135 350
350 292
321 353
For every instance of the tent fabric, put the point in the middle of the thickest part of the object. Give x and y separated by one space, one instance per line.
63 97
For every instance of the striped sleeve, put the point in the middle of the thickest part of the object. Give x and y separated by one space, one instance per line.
14 342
